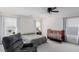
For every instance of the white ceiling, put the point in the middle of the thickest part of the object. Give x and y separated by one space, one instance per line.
69 11
37 10
22 10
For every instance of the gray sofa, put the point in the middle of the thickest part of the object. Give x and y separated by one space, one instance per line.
14 43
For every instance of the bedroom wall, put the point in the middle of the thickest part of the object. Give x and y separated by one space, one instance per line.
51 22
55 20
24 15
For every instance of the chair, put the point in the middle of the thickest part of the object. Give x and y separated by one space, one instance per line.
14 43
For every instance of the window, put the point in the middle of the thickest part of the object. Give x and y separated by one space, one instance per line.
38 26
10 25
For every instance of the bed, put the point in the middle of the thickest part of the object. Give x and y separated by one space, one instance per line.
35 39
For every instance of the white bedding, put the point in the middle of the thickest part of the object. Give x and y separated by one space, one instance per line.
29 38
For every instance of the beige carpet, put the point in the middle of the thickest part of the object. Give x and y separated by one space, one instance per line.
53 46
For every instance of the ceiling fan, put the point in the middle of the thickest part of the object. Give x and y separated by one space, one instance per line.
52 9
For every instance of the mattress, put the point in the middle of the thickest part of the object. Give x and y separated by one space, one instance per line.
29 38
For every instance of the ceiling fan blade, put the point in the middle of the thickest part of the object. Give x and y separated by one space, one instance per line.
54 8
